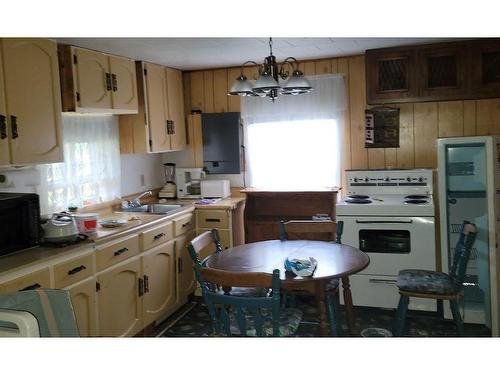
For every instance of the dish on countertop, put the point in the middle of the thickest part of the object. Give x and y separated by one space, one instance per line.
114 223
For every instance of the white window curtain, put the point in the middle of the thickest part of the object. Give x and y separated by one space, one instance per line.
296 142
90 173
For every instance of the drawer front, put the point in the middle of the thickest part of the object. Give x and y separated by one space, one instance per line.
381 291
72 271
213 219
115 252
156 236
35 280
183 224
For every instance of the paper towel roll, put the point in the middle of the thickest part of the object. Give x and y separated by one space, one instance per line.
19 178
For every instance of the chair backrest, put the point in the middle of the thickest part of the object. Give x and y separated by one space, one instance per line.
200 242
246 313
52 309
462 251
303 229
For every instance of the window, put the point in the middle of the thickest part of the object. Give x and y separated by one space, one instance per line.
90 172
296 142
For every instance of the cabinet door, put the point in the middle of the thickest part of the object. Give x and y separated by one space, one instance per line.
176 108
34 100
83 299
4 132
442 71
159 281
390 76
486 68
93 80
120 306
124 84
156 97
186 281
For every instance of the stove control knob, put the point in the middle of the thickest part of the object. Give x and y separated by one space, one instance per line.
366 179
420 179
387 179
408 179
355 179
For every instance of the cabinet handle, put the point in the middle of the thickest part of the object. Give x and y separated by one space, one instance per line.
158 236
167 127
141 287
146 284
120 252
13 126
115 82
186 224
212 220
3 127
31 287
179 265
108 82
77 269
172 127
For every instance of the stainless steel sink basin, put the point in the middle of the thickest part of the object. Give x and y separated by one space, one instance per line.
157 208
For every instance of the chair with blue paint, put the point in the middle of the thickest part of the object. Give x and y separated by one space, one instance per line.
437 285
327 230
210 240
247 316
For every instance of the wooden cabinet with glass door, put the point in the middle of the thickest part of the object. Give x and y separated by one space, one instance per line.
30 102
97 82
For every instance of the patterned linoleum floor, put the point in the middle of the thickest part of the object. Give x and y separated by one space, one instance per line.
196 322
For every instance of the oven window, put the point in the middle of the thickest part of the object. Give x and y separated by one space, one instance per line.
384 241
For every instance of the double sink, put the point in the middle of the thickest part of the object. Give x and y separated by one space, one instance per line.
156 208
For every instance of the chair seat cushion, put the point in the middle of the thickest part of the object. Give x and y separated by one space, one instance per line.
423 281
289 321
248 292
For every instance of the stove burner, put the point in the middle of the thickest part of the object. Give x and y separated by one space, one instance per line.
416 201
416 197
358 196
357 201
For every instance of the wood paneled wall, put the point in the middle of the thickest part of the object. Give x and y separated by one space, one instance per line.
420 123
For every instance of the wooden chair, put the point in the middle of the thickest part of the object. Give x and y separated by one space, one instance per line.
307 229
437 285
246 316
199 243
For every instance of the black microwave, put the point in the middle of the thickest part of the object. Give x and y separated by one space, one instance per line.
19 222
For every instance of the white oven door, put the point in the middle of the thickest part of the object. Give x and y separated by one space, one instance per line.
392 243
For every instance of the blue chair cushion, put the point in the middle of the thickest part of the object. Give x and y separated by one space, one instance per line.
289 321
423 281
248 292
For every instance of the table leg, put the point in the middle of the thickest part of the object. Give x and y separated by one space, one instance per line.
324 329
348 304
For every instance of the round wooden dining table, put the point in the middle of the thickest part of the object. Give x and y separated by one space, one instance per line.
334 261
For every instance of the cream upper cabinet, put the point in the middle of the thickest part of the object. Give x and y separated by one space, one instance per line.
160 125
4 131
176 109
83 299
95 82
33 101
157 107
120 299
123 83
93 79
159 281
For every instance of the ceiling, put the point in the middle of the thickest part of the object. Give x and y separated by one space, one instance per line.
203 53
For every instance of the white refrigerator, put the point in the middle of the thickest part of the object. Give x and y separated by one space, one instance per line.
469 189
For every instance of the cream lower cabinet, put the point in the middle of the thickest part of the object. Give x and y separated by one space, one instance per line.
158 265
83 298
120 299
186 282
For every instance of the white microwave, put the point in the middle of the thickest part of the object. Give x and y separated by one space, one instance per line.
215 189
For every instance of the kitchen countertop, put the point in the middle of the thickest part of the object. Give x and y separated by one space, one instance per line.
39 256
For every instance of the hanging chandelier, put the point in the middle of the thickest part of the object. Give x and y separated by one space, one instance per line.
267 85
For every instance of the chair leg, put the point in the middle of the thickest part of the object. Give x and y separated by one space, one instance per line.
333 313
399 326
457 318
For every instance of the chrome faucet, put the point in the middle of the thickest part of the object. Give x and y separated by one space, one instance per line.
136 202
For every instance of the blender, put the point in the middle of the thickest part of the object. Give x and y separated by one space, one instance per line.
169 190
